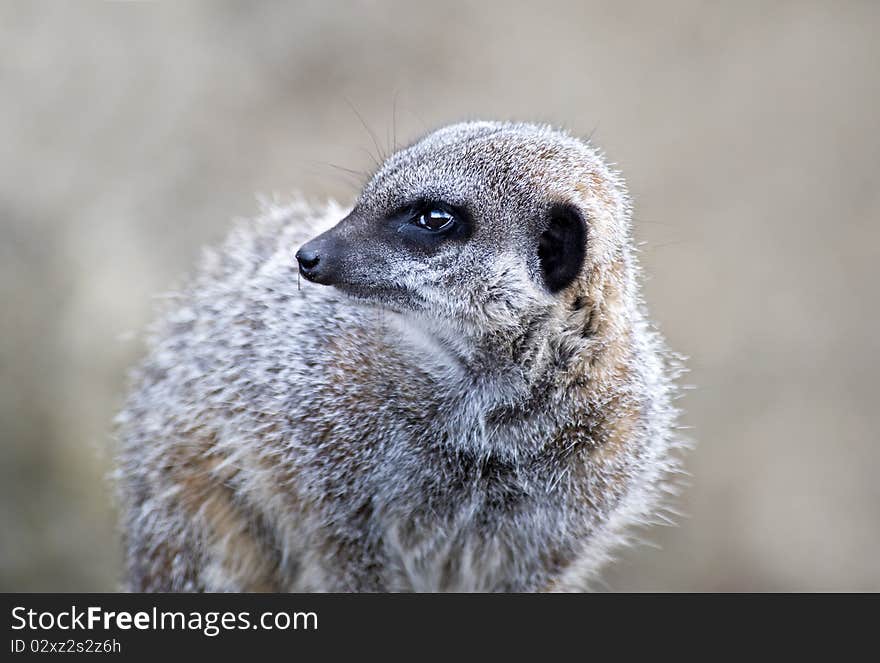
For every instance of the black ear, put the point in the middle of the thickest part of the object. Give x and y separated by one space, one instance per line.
562 247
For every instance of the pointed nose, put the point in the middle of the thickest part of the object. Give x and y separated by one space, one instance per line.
318 260
308 259
322 259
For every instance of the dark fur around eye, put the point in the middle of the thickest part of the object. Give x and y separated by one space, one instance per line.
404 222
562 247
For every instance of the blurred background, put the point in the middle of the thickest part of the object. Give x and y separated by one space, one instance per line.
133 134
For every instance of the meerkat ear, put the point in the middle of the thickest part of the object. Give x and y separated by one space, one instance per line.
562 247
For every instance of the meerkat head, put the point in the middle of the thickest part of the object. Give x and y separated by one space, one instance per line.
479 226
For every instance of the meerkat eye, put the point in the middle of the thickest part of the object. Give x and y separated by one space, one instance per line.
435 219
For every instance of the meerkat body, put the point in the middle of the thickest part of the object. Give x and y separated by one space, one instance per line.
478 404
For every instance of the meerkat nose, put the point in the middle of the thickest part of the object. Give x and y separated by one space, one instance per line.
308 259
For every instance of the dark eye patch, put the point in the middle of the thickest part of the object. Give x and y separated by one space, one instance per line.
423 225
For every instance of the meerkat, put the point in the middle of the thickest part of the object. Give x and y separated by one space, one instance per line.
464 393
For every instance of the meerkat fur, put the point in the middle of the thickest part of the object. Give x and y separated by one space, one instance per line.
483 406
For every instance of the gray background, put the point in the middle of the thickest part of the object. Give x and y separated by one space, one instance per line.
133 134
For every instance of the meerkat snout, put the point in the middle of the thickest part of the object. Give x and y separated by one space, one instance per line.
316 261
478 403
308 259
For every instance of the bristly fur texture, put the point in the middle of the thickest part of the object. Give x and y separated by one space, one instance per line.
489 411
